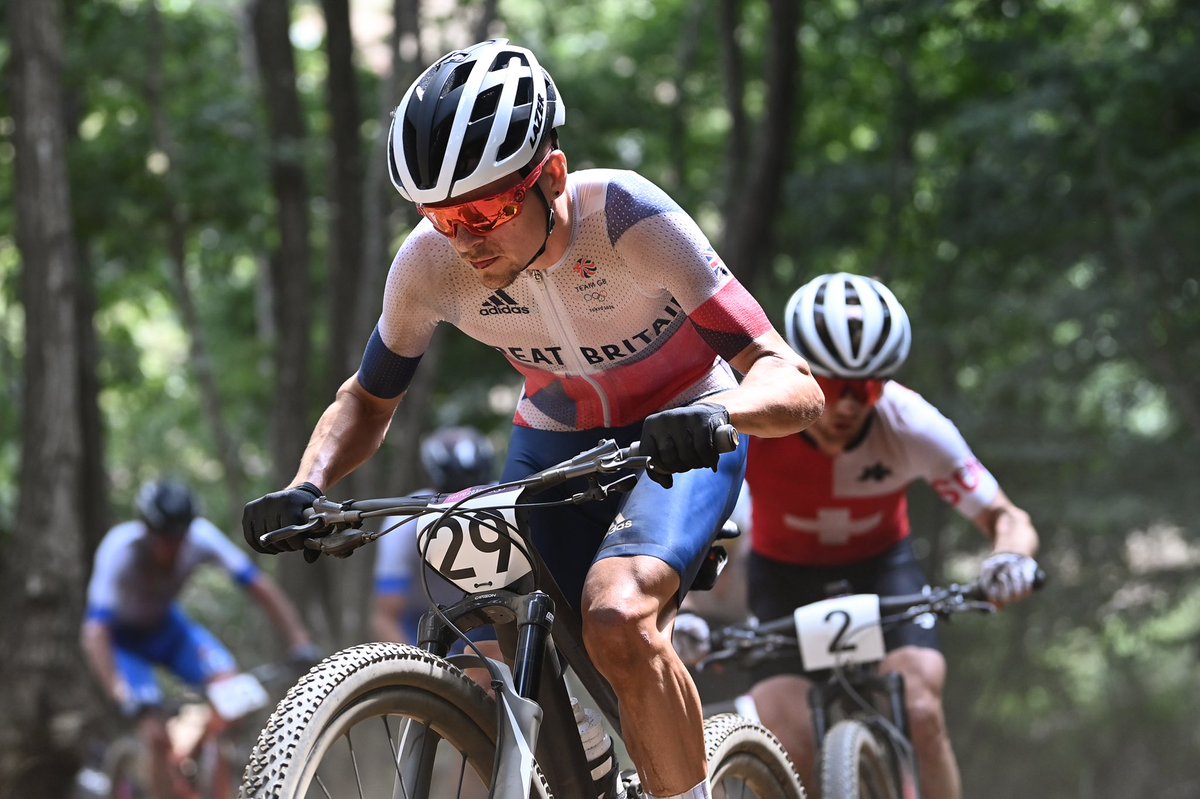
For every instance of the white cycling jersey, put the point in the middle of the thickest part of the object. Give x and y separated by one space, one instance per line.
128 589
639 314
811 509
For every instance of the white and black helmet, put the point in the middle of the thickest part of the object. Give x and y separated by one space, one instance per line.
458 457
475 116
848 326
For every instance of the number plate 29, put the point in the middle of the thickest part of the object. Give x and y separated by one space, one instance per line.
840 630
473 549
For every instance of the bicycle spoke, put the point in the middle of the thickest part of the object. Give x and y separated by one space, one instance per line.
324 790
395 756
354 764
462 773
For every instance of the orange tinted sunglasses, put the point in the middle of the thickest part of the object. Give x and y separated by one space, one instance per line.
482 216
867 392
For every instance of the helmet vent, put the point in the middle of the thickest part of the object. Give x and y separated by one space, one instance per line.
456 79
486 103
506 57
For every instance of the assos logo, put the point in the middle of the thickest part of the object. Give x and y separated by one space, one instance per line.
501 303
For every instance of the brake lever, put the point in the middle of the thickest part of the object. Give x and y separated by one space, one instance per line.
615 464
286 533
339 544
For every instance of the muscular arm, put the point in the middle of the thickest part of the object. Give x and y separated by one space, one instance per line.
347 434
1009 527
777 396
98 647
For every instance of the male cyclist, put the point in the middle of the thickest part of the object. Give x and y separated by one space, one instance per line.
454 458
133 622
829 505
607 297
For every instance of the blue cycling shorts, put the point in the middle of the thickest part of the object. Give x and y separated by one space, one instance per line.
180 645
677 526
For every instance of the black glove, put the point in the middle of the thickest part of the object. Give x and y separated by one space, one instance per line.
682 439
274 511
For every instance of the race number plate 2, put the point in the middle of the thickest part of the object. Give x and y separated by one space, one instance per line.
473 549
840 630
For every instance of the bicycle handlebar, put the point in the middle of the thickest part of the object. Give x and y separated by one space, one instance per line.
341 519
756 642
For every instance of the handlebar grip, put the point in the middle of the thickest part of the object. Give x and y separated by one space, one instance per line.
726 438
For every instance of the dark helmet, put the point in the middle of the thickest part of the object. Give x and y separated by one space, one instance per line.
458 457
473 117
848 326
166 506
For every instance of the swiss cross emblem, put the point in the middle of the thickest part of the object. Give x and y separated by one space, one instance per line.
586 267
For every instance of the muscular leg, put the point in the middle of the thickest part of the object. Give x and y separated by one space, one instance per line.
628 611
782 704
924 673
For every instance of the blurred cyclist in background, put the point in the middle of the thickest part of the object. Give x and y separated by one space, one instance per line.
454 458
829 505
133 622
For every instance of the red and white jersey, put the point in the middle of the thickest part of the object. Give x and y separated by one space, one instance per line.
815 510
638 315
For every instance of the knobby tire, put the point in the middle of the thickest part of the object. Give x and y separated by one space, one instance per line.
854 765
746 760
377 687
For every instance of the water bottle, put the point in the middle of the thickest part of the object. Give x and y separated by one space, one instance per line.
599 749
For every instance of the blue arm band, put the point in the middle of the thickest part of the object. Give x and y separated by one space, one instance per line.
384 373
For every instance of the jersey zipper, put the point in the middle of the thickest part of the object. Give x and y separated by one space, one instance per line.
555 313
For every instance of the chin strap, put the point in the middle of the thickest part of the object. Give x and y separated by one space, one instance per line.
549 227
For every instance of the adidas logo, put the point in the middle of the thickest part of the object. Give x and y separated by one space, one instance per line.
501 303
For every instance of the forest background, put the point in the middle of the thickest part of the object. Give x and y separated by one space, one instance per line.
195 222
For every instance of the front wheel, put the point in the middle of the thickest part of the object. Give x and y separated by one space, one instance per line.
854 765
745 760
379 720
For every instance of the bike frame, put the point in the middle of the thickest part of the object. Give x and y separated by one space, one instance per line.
830 700
858 691
537 633
538 630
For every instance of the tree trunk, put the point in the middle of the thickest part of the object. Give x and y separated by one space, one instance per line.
42 676
750 211
346 258
685 57
735 101
289 267
391 468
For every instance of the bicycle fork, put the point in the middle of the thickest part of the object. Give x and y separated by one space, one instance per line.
522 693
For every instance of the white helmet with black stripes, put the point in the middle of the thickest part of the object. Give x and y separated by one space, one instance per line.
848 326
475 116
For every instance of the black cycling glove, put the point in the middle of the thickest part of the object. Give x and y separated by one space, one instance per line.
277 510
682 439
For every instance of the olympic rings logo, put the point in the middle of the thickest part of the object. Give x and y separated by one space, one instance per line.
595 296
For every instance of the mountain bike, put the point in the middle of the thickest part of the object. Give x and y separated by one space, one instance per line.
202 757
404 721
858 714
